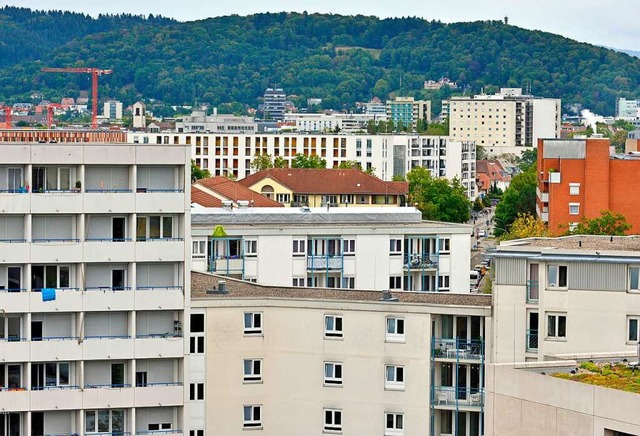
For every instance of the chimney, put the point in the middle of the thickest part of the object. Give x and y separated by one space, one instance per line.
221 289
386 296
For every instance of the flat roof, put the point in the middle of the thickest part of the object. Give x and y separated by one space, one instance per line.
584 243
238 289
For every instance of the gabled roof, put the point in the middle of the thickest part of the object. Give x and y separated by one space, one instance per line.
493 170
222 188
204 199
328 181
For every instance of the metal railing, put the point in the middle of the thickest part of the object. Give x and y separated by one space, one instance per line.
150 385
532 340
451 396
107 386
420 261
159 287
533 291
457 349
50 240
324 262
108 288
113 191
159 335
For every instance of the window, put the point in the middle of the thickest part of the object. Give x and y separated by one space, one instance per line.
574 208
346 199
443 283
159 426
557 276
333 373
283 198
394 424
329 199
104 421
395 246
298 282
556 325
332 420
348 282
395 329
634 323
49 375
251 248
574 188
299 247
332 326
154 227
49 276
301 200
252 370
252 416
199 249
196 432
395 282
349 248
444 244
196 391
634 278
253 323
196 344
394 377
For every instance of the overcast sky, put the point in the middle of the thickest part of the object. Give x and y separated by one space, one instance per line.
610 23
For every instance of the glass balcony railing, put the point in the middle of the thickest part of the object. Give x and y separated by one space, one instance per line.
532 340
451 396
533 291
420 261
324 262
457 349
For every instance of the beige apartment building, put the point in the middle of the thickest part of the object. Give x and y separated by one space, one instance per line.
294 361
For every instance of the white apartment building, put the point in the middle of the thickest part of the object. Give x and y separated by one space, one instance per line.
388 155
505 122
320 123
199 121
627 108
346 248
298 361
113 110
408 111
93 276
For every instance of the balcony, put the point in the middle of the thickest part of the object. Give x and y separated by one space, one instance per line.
327 262
56 250
99 298
166 249
533 291
450 397
227 265
16 202
107 347
162 200
19 249
167 345
420 261
56 398
164 297
532 340
447 349
108 250
109 201
15 350
65 201
14 399
167 394
67 300
56 348
117 396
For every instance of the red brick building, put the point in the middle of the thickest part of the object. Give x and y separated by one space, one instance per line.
581 177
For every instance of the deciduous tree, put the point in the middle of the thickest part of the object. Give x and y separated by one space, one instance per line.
438 199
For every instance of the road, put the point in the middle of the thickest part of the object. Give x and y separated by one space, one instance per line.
480 244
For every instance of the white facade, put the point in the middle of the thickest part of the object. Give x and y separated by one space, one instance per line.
113 110
319 123
505 122
627 108
349 248
102 227
139 114
388 155
199 121
310 361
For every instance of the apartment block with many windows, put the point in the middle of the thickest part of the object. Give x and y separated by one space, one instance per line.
341 248
92 288
316 361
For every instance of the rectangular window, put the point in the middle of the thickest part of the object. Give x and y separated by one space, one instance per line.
252 370
346 199
574 208
395 246
557 276
298 282
444 245
574 188
299 247
196 344
634 278
253 323
252 416
556 325
332 420
199 249
633 323
251 248
395 329
154 227
196 432
196 391
443 283
333 373
393 424
348 282
283 198
395 282
394 377
349 248
197 323
332 326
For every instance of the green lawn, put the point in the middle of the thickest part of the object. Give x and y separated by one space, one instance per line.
614 376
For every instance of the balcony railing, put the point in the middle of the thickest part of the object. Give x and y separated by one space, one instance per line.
532 340
420 261
457 349
13 241
159 287
104 190
54 240
13 290
146 385
108 288
324 262
53 388
533 291
451 396
159 431
159 335
107 386
55 338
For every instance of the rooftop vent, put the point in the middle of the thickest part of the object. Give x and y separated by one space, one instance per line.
221 289
305 209
227 204
243 203
386 296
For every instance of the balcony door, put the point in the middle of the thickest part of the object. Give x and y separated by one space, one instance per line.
118 232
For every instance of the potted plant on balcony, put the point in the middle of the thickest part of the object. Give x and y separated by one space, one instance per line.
78 187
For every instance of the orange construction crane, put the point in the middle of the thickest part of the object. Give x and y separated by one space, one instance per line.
95 73
7 116
50 107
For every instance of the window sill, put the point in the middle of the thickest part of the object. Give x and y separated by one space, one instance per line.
332 385
253 335
392 340
251 382
325 431
555 339
334 338
251 428
556 288
394 388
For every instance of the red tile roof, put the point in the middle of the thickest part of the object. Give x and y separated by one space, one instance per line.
232 190
328 181
492 169
204 199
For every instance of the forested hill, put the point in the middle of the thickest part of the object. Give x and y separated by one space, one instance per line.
342 59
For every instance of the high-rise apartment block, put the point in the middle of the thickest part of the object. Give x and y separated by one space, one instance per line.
505 122
113 110
629 109
273 105
93 288
408 111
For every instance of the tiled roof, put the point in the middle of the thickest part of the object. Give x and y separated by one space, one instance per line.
493 169
328 181
204 199
234 191
201 282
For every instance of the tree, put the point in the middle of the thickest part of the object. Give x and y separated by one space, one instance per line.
198 173
478 205
526 226
349 164
518 198
528 159
608 223
302 161
438 199
262 162
481 153
280 162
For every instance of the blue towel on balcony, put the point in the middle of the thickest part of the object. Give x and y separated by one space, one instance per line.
48 294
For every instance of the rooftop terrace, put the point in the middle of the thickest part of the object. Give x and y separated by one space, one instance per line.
578 242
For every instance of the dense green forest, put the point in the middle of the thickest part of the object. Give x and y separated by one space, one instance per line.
341 59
